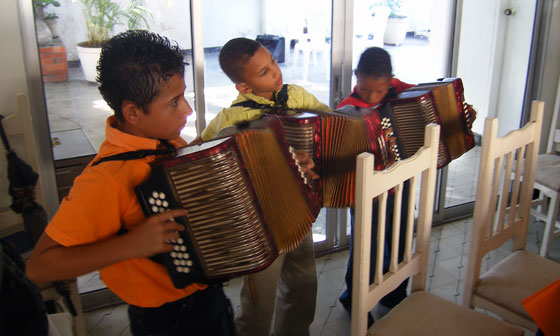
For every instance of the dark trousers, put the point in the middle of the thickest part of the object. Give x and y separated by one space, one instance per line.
206 312
399 293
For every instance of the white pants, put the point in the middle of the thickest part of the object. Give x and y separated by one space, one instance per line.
285 291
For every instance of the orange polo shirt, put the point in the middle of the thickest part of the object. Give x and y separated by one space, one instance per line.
100 201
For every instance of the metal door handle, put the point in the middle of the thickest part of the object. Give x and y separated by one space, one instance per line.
509 11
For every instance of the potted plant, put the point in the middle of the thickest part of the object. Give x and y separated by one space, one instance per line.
40 5
101 16
397 24
45 22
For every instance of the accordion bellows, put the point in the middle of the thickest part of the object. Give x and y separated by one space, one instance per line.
439 102
334 140
244 204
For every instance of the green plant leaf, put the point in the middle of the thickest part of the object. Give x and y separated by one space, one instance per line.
102 16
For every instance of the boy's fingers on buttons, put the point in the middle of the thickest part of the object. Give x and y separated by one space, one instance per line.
173 236
169 216
173 226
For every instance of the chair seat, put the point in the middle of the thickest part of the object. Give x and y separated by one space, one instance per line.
548 171
517 276
426 314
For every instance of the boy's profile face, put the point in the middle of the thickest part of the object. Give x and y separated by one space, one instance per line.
371 89
166 115
262 75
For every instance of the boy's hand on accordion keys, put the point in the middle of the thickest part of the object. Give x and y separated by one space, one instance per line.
306 163
153 235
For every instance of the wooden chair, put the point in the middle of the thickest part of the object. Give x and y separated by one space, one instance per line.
501 213
421 313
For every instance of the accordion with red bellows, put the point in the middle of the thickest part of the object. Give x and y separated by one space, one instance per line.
246 201
440 102
392 131
333 140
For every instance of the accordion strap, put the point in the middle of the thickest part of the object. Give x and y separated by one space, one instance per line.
139 154
134 155
280 102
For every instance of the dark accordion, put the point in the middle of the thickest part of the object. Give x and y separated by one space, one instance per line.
246 201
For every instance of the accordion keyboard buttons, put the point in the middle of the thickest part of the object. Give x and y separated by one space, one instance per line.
181 259
180 256
158 202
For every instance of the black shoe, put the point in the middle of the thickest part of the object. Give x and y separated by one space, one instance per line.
395 297
370 320
348 307
391 302
345 301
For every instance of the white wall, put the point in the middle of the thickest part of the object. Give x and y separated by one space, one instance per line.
473 66
551 72
477 40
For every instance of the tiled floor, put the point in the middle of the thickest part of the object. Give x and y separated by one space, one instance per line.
447 266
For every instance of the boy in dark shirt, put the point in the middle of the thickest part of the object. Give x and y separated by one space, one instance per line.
375 84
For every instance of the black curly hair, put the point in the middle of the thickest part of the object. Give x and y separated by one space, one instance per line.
235 54
133 65
375 62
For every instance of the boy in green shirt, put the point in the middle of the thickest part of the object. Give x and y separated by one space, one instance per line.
287 289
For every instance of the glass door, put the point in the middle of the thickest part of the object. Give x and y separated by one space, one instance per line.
299 40
418 35
490 50
76 111
494 58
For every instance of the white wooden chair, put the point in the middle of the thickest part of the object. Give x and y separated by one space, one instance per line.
547 182
501 213
369 28
310 44
421 313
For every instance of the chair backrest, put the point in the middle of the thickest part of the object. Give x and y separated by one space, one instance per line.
369 185
503 199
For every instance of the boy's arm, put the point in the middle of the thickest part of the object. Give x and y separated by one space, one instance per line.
51 261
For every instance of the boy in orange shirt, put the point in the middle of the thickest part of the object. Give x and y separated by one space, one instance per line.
141 77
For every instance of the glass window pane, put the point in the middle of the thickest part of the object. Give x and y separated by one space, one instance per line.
74 102
299 40
416 35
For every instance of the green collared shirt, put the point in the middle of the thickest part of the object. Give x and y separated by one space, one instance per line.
298 98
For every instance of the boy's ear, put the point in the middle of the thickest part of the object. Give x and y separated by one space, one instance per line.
131 112
242 87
